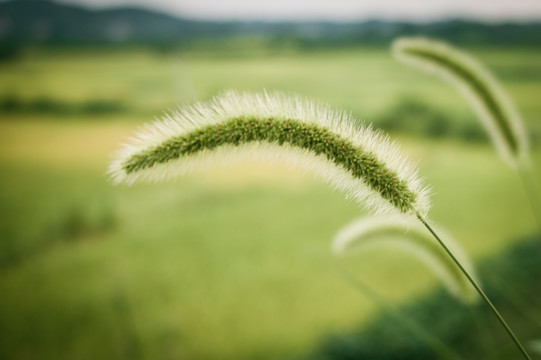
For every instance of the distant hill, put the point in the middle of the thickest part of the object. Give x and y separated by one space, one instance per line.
42 21
47 22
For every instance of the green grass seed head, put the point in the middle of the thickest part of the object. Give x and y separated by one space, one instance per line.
488 99
353 158
370 232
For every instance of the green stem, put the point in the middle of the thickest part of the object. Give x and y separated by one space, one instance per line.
531 193
479 290
487 341
438 346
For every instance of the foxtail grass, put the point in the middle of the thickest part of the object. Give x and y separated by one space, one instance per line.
479 87
487 97
370 232
353 158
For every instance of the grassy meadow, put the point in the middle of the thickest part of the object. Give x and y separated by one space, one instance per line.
230 263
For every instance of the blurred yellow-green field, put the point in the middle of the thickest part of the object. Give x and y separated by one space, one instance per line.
229 263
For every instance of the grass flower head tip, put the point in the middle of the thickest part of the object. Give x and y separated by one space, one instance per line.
270 126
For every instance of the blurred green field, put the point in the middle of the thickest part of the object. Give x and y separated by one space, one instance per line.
231 263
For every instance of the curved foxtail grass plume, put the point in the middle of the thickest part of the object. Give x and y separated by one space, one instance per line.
355 159
488 99
370 232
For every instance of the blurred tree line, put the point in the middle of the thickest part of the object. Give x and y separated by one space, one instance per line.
44 22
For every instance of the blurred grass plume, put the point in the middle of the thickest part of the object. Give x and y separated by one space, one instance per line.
484 93
369 232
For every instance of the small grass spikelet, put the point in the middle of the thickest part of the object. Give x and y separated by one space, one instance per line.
484 93
377 231
270 126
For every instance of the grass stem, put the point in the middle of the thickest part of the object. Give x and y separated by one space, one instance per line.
525 308
437 345
479 290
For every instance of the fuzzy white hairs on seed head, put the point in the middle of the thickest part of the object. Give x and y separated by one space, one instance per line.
379 232
479 87
316 128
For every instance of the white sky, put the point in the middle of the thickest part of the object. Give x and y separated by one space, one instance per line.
341 10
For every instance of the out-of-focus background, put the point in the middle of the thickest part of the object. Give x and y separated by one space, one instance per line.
235 263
